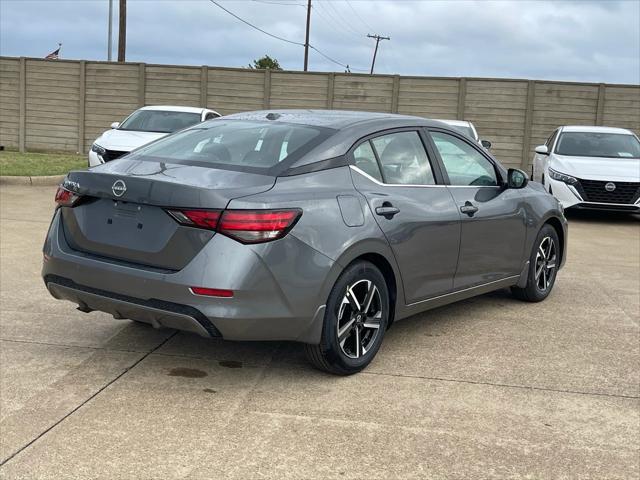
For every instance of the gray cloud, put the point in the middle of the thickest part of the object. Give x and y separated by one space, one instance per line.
596 41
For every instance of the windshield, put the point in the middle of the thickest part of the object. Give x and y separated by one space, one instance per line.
234 143
465 130
593 144
159 121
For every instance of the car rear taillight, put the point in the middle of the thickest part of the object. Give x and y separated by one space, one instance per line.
246 226
66 198
212 292
256 226
197 218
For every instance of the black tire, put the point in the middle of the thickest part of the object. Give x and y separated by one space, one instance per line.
542 270
343 357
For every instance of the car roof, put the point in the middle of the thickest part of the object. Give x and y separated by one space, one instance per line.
583 128
174 108
335 119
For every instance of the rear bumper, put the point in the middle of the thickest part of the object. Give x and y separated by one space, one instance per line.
279 288
156 313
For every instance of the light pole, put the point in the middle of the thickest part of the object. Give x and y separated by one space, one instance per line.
110 42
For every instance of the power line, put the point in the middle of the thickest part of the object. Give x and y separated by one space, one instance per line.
254 26
340 20
366 25
283 39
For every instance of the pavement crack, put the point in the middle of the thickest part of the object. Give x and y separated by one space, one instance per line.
64 345
94 395
505 385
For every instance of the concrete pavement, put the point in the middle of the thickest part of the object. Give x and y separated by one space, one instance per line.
490 387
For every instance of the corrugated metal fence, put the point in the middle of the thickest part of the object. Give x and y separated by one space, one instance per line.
63 105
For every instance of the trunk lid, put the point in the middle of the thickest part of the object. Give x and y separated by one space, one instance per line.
122 215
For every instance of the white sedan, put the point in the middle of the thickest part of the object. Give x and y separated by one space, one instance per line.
143 126
469 129
591 167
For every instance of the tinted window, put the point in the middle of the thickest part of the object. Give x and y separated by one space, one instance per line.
403 159
463 163
234 143
159 121
210 115
593 144
365 160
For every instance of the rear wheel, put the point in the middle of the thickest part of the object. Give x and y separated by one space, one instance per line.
355 321
543 267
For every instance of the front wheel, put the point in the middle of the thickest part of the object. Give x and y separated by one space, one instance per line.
543 266
355 321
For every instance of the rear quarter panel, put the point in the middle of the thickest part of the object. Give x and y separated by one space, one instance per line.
322 225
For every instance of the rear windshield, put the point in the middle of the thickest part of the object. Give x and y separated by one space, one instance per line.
235 144
593 144
159 121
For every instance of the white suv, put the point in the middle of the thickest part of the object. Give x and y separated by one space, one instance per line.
143 126
591 167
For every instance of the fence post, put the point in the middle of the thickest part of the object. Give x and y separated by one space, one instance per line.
396 94
528 122
204 81
600 108
266 101
462 97
82 84
330 84
22 119
142 84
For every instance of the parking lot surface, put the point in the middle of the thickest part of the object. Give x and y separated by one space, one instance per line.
490 387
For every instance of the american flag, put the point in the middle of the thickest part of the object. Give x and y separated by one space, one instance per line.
55 54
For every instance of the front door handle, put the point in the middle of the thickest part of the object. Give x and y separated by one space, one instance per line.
469 208
387 210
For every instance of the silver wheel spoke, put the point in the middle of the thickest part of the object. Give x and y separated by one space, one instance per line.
343 332
539 270
369 298
357 339
352 299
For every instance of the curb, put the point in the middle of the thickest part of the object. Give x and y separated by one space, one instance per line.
49 180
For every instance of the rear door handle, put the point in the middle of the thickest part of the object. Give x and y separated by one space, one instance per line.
387 211
469 208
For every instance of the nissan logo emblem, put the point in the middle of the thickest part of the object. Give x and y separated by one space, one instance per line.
610 187
118 188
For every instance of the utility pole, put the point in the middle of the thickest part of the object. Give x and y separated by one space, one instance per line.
375 52
306 38
122 31
110 41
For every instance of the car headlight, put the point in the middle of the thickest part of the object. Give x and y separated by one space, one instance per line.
98 149
562 177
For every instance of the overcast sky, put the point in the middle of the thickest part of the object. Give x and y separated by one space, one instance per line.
594 41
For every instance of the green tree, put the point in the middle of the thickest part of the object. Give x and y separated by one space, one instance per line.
266 62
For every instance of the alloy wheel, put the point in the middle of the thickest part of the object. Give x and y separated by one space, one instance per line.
359 318
545 264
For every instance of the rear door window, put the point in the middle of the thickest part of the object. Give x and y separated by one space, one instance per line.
403 159
365 159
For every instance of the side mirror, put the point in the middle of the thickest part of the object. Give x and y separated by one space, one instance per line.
486 144
542 150
115 125
516 178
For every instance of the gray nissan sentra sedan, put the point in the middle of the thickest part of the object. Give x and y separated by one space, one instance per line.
322 227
